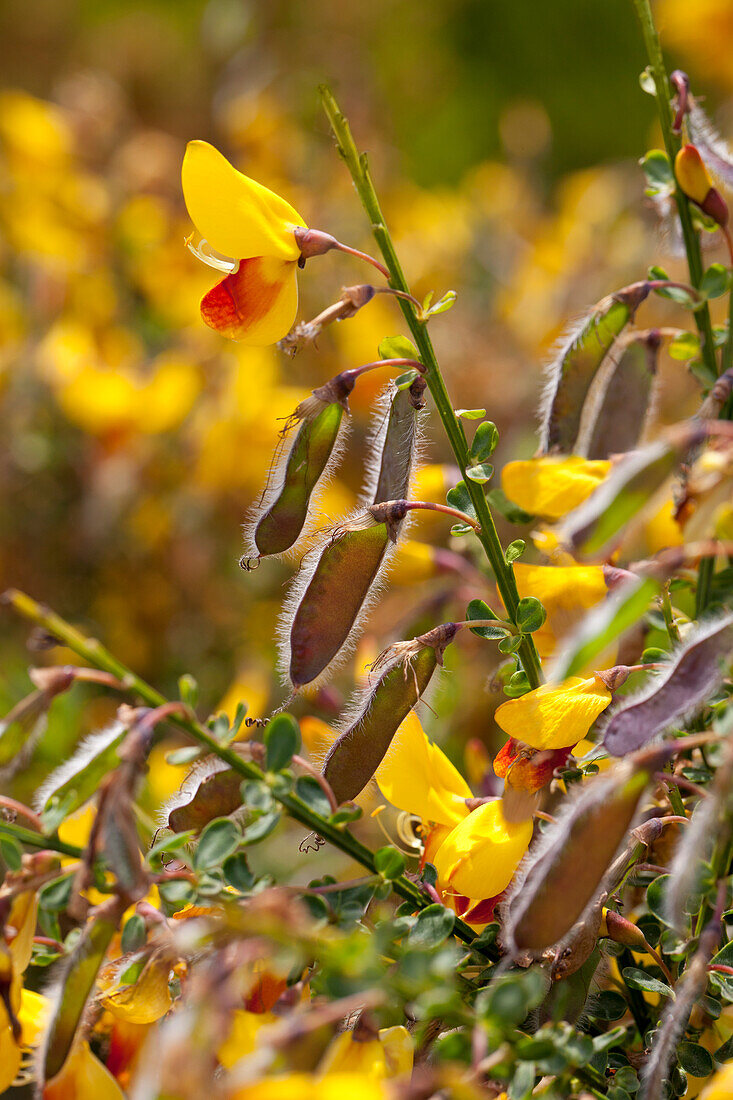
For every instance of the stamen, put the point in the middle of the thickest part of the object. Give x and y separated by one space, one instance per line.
208 255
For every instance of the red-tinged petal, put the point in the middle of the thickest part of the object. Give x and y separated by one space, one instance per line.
528 769
265 992
256 304
483 911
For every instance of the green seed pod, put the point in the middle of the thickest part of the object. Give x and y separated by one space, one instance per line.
570 864
334 588
617 410
76 780
571 373
76 983
359 750
281 515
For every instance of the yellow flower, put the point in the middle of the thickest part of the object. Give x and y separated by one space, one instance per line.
552 487
554 716
388 1055
146 1000
247 231
475 853
243 1035
417 776
334 1086
566 593
692 175
479 857
31 1011
720 1086
83 1077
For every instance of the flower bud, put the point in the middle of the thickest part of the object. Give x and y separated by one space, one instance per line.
694 180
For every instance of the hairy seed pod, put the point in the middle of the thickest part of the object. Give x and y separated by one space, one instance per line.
357 753
333 590
619 406
76 780
688 680
75 984
570 374
281 516
571 862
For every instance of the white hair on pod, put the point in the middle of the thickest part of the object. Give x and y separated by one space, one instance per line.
276 479
714 150
552 371
309 563
85 752
198 773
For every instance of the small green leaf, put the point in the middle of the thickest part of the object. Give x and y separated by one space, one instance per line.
433 925
397 347
646 81
478 609
695 1059
659 175
515 550
640 979
518 685
256 795
219 839
54 896
389 863
684 346
282 741
459 529
404 381
470 414
655 897
185 755
531 615
237 873
171 843
484 441
510 644
607 1005
310 790
458 497
261 827
443 304
481 473
11 853
188 690
133 934
674 293
715 281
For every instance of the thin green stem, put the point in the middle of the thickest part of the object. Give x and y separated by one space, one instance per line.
38 840
95 654
672 143
488 536
668 613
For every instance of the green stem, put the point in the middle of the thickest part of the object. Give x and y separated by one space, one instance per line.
95 654
672 143
488 536
38 840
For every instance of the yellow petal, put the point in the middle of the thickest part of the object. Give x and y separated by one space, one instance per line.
399 1050
335 1086
237 216
721 1085
691 173
257 304
33 1014
554 716
480 856
10 1057
418 777
146 1000
22 919
566 592
242 1037
552 487
345 1054
83 1077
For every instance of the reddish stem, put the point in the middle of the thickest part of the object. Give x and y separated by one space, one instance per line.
16 807
363 256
